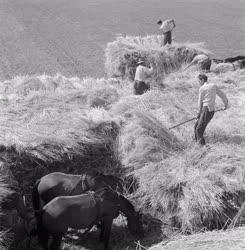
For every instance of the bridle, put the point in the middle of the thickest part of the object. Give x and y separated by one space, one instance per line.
83 182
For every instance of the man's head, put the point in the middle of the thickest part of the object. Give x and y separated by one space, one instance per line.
140 62
159 22
202 78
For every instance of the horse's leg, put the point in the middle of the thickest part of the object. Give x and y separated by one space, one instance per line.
102 232
56 241
107 232
43 237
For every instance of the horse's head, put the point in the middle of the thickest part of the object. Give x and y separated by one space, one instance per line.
110 181
106 194
135 224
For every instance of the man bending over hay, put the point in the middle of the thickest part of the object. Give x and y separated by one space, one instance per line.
203 61
206 104
141 74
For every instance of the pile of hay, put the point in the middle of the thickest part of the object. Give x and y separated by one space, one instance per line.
185 186
196 189
123 54
230 240
76 125
64 126
57 90
145 139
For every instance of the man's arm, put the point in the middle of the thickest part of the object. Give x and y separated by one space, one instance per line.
149 71
200 101
188 66
222 95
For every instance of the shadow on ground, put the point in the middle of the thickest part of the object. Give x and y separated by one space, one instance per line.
120 239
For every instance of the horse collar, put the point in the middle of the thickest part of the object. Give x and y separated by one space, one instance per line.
96 205
83 180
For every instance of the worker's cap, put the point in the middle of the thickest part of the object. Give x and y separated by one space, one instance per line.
159 22
140 62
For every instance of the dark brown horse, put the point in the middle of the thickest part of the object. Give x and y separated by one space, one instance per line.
82 211
60 184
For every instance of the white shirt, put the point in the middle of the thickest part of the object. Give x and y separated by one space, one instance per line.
142 73
167 25
200 58
207 96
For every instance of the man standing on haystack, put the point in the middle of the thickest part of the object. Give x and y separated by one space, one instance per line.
202 60
166 27
141 74
206 105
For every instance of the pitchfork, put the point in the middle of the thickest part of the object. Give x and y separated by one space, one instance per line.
194 118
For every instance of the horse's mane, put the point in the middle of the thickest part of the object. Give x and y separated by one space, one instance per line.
107 193
95 173
128 204
110 180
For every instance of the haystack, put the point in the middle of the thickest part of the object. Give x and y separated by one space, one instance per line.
195 189
57 127
145 139
123 54
215 240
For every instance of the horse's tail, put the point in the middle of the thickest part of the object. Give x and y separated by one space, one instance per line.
35 197
39 220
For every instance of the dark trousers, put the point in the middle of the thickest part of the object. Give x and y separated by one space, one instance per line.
233 59
140 87
167 38
206 65
201 124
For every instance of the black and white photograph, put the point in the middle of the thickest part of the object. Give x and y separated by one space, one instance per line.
122 124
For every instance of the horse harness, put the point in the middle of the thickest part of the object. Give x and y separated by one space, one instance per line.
84 182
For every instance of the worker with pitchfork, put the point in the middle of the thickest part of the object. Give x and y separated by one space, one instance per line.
206 105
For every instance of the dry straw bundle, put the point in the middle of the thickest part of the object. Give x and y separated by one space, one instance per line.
57 129
197 188
145 139
123 54
218 240
72 125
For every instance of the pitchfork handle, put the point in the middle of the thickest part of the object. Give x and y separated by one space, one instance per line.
175 126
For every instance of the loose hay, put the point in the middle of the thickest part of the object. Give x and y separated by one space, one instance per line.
72 125
123 54
145 139
215 240
57 128
195 189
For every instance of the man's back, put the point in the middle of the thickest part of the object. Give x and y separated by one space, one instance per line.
207 95
141 73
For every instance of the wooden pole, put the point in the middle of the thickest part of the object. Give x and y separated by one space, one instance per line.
175 126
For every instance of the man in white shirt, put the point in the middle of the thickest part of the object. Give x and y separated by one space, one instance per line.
141 74
206 105
203 62
166 28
